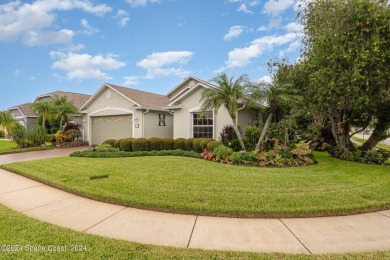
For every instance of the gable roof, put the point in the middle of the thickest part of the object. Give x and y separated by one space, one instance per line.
187 79
25 109
77 98
143 98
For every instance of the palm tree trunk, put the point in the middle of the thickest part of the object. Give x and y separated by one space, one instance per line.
264 131
239 137
43 120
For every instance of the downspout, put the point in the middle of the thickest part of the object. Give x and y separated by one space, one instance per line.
143 122
170 111
237 113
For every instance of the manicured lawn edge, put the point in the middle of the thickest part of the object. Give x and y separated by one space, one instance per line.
18 229
201 212
29 149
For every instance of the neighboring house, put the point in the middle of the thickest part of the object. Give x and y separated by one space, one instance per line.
24 115
77 99
27 117
115 112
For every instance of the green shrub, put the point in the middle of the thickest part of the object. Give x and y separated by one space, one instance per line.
54 130
36 135
2 134
196 145
117 143
249 158
252 135
155 144
236 158
140 144
205 141
126 144
222 152
235 145
179 144
19 135
188 144
167 143
75 134
375 157
120 154
212 145
109 141
105 148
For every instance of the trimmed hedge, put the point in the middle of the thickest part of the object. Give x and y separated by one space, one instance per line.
126 144
167 143
179 143
188 144
212 145
155 144
140 144
196 145
120 154
117 143
204 142
110 142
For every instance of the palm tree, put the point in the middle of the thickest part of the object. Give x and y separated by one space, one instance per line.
230 93
64 109
274 94
6 121
43 108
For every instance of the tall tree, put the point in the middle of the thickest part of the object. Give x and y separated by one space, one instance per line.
229 94
347 58
64 110
274 94
44 108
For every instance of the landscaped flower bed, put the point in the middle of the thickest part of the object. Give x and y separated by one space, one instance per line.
279 156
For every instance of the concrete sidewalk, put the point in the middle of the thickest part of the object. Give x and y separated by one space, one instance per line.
364 232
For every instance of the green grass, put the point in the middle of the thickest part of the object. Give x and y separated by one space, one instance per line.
380 146
193 186
17 229
8 146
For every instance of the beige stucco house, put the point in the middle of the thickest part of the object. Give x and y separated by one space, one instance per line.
115 112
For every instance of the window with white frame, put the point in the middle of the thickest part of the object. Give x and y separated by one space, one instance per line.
203 125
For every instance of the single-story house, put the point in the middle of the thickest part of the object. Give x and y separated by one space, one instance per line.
24 114
115 112
77 99
27 117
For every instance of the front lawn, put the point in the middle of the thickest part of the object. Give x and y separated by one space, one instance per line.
8 146
17 229
193 186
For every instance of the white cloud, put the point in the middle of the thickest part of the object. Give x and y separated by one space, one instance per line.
131 81
17 72
88 29
272 24
293 27
275 7
161 63
265 78
31 21
240 57
234 32
253 3
243 8
138 3
123 17
85 66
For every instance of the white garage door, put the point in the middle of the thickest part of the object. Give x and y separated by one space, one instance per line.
111 127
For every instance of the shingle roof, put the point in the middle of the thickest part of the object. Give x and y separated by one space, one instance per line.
26 109
143 98
78 99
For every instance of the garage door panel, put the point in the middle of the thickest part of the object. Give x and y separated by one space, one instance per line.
111 127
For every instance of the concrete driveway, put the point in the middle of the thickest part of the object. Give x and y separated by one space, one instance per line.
36 155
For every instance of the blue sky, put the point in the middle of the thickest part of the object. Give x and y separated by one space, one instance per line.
152 45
